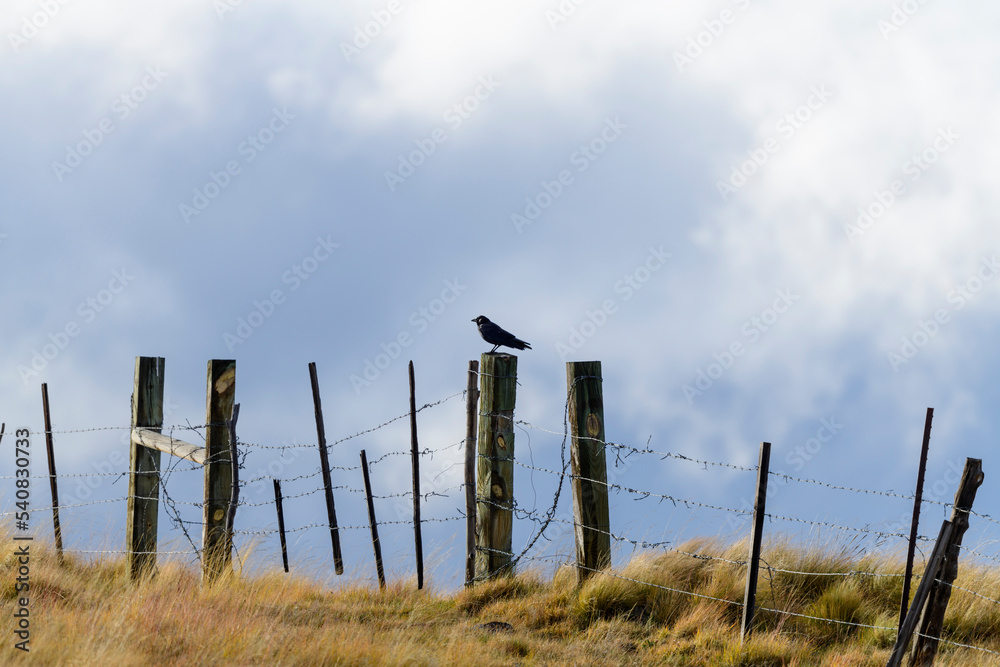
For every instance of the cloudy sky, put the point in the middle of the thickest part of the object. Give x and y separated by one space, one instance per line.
768 220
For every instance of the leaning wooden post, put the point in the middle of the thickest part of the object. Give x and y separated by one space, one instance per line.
144 467
932 617
53 484
324 460
753 563
495 466
217 545
912 615
415 455
904 601
372 523
281 523
471 405
589 468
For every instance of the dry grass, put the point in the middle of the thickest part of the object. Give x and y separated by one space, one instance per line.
89 614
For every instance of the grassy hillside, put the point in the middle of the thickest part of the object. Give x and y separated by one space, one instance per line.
89 614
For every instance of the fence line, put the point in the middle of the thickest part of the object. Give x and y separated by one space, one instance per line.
542 519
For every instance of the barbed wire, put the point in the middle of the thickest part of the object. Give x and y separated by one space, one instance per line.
643 450
827 524
966 590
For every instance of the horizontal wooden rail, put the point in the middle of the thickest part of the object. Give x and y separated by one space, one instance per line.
164 443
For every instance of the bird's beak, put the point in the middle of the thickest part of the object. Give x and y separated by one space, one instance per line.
473 319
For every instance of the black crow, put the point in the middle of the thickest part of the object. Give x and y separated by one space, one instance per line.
496 336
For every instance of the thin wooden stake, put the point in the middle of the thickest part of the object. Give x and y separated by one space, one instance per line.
753 563
920 597
53 484
589 468
281 523
372 522
415 455
234 457
471 407
914 523
144 469
324 459
932 617
217 545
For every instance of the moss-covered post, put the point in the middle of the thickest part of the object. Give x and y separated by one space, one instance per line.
589 468
144 469
217 543
495 465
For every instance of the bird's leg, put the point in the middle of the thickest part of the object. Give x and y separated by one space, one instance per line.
494 349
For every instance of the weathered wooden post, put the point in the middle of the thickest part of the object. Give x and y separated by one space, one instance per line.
495 465
471 404
281 523
53 480
589 467
372 522
324 460
144 467
932 616
920 597
217 545
418 542
915 521
753 563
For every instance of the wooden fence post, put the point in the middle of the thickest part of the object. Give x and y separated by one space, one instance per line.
53 483
910 622
915 522
324 460
753 563
281 523
932 616
589 468
415 455
471 405
372 523
217 545
495 466
144 467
